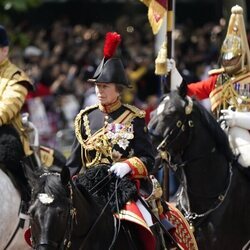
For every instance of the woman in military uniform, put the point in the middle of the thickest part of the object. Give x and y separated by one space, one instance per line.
114 133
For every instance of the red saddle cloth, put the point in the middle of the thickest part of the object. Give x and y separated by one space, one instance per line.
182 233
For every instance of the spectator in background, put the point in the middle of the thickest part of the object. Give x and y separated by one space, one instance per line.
89 94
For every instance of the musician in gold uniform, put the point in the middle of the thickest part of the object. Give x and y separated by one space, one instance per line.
14 86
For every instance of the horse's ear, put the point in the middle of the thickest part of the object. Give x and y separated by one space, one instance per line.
183 89
31 169
65 175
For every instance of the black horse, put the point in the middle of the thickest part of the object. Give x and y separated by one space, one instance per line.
214 192
65 215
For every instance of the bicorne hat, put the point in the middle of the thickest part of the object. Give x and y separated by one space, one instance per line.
4 41
111 69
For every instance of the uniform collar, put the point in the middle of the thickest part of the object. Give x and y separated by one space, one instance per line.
110 108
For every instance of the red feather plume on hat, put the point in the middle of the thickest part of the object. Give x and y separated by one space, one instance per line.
112 40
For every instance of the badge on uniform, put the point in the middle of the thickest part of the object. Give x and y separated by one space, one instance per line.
120 134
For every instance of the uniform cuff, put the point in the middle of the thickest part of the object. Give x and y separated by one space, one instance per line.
138 168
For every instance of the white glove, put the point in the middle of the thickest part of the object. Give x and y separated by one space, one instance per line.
176 78
229 116
235 118
170 64
120 169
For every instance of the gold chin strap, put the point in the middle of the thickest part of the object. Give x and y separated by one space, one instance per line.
189 107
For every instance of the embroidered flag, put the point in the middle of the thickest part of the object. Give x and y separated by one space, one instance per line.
156 12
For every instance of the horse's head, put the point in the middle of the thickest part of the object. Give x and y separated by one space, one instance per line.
51 210
170 123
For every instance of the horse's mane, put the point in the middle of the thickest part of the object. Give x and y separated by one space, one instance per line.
51 184
107 188
216 131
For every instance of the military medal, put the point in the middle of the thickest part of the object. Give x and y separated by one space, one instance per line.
120 134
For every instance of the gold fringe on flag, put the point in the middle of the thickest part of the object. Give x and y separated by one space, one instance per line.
161 60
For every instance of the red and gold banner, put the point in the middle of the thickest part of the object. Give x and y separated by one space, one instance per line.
156 12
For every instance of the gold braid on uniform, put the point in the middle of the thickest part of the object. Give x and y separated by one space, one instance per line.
13 91
83 116
225 94
99 142
138 112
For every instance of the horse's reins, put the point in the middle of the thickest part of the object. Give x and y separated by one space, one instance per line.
117 229
191 216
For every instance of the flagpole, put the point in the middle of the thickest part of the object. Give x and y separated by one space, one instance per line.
169 39
166 86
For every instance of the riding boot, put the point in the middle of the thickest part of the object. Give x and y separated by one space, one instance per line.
160 241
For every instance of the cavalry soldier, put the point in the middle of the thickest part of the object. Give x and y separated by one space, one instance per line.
115 133
228 88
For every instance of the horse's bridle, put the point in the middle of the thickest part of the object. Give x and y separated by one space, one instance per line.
164 149
66 243
176 129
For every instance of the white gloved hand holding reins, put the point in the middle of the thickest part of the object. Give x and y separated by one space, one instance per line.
120 169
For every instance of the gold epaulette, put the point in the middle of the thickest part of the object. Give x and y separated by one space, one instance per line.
83 112
216 71
138 112
87 109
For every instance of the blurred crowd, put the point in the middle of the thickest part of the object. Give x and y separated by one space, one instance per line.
60 58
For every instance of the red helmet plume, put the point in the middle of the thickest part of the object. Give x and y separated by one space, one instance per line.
112 40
